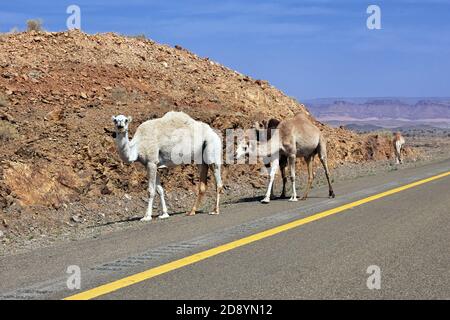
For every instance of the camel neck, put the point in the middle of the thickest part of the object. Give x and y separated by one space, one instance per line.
123 146
268 148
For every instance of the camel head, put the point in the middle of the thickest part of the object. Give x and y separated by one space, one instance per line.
121 123
260 125
264 129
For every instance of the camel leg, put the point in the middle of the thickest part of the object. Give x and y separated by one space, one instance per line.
309 164
203 168
324 161
398 153
283 165
152 173
272 191
291 162
273 171
219 186
160 191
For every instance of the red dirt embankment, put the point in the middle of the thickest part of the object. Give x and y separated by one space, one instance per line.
59 90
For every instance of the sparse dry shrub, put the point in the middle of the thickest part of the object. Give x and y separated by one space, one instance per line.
14 30
384 133
35 25
138 36
120 95
7 132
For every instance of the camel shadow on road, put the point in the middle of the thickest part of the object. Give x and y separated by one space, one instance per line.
133 219
278 198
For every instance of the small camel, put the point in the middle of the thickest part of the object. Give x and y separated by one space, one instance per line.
295 137
267 127
169 141
398 141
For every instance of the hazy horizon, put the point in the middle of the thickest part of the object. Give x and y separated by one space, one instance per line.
378 97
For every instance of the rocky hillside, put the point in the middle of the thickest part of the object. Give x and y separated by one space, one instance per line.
59 90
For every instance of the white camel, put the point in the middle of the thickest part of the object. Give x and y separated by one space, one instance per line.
296 137
398 141
172 140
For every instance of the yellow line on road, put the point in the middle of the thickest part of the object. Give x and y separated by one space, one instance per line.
153 272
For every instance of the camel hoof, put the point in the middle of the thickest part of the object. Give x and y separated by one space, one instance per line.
189 214
331 194
293 200
214 213
144 219
164 216
265 200
303 198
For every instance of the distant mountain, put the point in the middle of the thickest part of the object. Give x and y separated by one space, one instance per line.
384 112
362 127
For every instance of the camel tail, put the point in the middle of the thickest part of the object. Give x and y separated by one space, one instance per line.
322 151
212 149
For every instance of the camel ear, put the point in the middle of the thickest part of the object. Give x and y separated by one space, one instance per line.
113 119
130 119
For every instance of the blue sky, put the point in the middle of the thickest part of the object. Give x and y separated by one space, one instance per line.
309 49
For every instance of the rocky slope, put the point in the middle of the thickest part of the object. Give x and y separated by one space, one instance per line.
59 90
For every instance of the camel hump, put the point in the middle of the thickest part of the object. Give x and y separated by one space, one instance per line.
178 119
299 122
302 120
177 115
301 115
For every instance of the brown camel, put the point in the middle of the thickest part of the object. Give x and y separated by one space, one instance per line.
295 137
398 141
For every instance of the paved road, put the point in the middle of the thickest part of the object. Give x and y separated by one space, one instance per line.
405 234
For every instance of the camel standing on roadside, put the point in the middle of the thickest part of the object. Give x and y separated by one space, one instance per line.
398 141
296 137
169 141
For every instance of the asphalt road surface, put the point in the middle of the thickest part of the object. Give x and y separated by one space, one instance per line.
314 249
